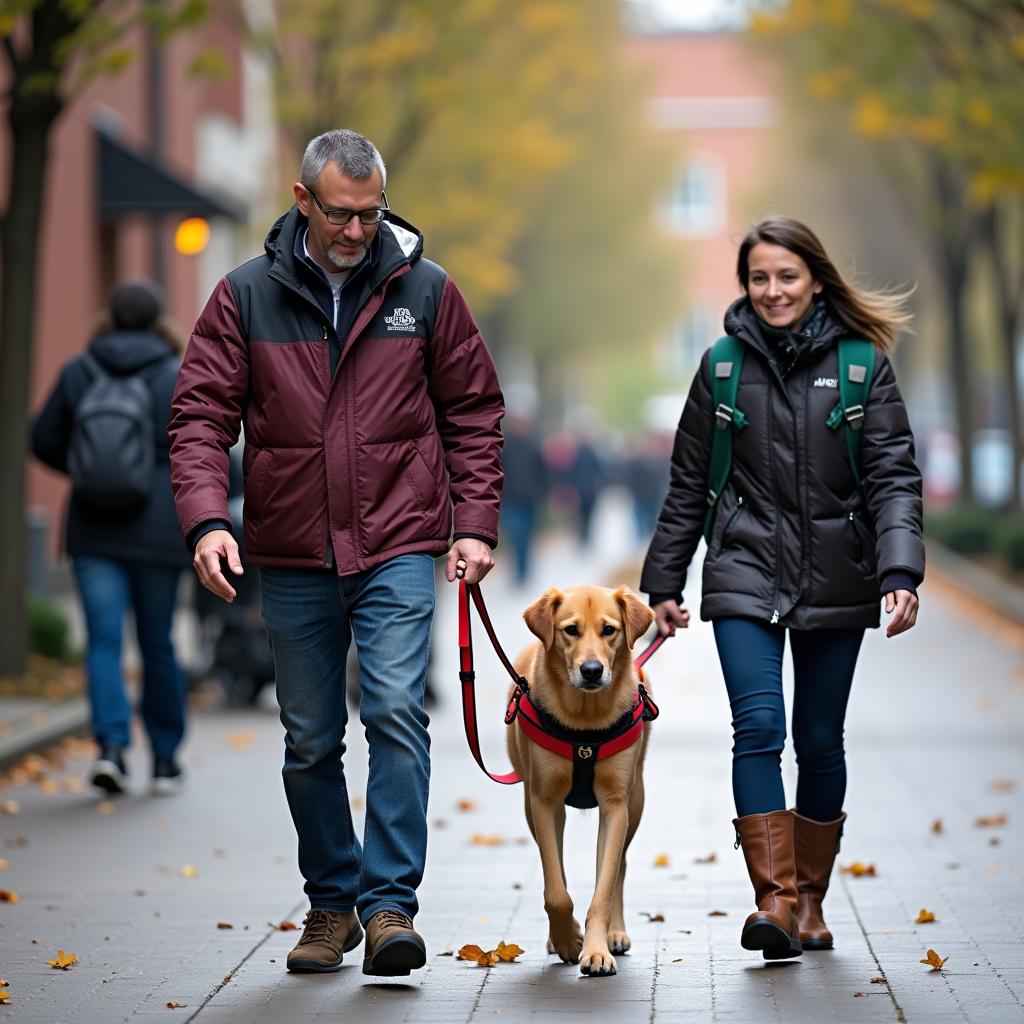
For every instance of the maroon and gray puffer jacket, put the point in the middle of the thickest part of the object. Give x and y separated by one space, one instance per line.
386 457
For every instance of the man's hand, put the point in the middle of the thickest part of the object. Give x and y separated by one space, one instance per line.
212 547
468 559
904 603
668 615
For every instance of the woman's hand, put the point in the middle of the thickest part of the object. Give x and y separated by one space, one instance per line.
902 605
669 616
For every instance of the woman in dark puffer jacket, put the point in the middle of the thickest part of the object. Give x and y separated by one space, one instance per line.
796 545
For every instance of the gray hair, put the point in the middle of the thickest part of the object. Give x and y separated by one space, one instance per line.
355 155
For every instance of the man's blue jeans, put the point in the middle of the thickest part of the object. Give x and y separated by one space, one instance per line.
108 588
311 616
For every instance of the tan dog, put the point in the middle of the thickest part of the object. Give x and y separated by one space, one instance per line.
580 671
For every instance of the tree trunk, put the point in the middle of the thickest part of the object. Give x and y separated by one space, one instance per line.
955 237
1008 310
30 118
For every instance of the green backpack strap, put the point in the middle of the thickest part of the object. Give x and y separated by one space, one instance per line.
725 365
856 368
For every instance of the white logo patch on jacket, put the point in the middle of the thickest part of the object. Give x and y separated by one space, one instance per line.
400 320
827 382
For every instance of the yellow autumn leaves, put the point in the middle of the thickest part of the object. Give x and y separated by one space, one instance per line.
502 953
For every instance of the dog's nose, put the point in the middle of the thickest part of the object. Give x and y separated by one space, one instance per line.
591 671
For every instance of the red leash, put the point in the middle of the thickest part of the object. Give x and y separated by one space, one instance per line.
467 674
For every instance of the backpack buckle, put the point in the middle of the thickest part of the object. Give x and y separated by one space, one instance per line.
712 497
723 416
854 416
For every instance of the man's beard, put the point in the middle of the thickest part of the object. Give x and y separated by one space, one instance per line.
344 261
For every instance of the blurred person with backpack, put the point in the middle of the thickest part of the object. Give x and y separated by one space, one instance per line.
794 458
104 424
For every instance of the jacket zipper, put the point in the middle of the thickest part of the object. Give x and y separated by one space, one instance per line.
728 524
858 542
778 519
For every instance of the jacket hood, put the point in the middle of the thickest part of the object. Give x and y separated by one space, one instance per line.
400 242
124 352
819 329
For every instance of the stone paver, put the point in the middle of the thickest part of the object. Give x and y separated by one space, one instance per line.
935 720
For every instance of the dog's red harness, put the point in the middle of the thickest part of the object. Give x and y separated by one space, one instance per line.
583 748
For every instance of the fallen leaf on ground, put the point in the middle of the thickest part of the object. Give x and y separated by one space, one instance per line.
48 786
661 861
189 872
224 925
357 803
479 956
937 827
106 807
6 896
10 808
16 841
709 859
994 841
717 913
858 869
284 926
73 784
508 952
482 840
857 995
878 980
174 1006
447 952
991 820
678 960
1004 785
4 863
466 805
933 960
241 740
63 961
652 917
924 917
5 997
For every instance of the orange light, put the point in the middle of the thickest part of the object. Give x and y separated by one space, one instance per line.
192 235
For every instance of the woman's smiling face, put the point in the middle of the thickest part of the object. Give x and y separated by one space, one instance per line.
780 285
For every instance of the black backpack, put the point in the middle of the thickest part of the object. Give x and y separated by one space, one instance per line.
111 455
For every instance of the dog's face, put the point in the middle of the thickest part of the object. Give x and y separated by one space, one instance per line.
589 627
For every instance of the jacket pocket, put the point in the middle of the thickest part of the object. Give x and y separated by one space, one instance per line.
730 523
256 480
858 543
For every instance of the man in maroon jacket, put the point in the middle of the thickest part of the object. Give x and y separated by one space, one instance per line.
371 411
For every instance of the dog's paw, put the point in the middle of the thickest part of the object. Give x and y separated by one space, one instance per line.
619 942
567 948
598 964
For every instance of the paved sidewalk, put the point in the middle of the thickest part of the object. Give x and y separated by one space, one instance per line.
934 733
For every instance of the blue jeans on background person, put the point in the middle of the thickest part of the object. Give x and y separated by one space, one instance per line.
823 664
519 520
108 588
311 616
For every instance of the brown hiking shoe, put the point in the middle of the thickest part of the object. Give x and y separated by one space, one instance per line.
392 947
325 940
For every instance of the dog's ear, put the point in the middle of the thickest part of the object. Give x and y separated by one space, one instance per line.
540 616
636 616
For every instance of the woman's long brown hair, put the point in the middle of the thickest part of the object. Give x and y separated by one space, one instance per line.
875 315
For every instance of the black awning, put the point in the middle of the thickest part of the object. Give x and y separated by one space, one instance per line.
131 182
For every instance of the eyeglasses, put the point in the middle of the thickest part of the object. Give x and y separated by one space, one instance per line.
340 217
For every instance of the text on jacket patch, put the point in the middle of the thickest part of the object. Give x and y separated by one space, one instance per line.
827 382
400 320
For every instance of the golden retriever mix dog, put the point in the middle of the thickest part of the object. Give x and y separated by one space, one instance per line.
580 673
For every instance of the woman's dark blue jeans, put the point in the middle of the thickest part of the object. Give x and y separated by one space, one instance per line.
823 664
109 588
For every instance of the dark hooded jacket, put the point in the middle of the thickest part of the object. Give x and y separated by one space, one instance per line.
351 458
795 541
149 534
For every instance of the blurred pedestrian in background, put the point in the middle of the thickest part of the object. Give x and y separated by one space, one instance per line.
525 492
105 425
818 520
586 476
645 475
371 411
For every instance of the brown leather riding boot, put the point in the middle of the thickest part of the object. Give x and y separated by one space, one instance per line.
816 844
767 841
